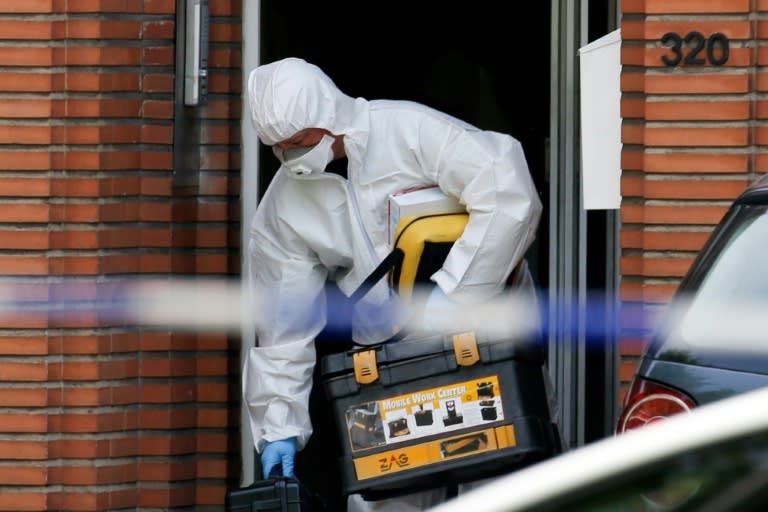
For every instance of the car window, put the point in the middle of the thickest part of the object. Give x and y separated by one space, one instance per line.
736 282
727 476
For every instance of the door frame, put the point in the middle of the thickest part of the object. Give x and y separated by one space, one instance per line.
568 293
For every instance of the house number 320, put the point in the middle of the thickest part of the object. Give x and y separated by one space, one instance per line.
692 49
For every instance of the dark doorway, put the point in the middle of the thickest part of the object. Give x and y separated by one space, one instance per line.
487 66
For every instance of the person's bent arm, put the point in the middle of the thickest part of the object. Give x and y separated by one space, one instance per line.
488 173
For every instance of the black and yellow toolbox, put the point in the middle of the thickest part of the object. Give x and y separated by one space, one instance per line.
420 412
437 410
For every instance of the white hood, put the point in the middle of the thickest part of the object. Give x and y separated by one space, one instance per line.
290 95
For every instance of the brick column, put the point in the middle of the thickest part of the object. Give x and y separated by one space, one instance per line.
691 134
96 414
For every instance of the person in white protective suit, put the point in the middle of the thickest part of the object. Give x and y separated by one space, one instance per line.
312 226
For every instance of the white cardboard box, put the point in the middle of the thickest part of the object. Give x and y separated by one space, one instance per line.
419 201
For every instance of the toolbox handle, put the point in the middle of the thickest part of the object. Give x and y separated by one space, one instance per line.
276 474
276 471
392 259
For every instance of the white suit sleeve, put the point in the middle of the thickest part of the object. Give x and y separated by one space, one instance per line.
488 173
288 291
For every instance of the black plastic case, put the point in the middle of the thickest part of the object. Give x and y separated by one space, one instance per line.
277 494
430 419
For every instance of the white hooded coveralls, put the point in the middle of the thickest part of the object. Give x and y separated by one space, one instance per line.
308 229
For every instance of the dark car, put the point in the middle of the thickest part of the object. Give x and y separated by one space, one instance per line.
710 343
711 460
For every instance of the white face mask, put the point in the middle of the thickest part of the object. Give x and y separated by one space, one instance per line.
307 160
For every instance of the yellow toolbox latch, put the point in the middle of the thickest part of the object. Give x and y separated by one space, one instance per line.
465 348
366 369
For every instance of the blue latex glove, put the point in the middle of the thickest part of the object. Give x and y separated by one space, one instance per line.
282 452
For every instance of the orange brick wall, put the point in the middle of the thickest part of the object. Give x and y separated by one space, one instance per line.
95 414
693 139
